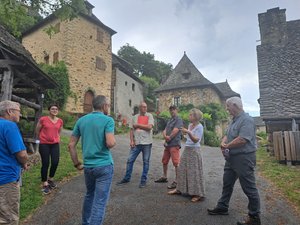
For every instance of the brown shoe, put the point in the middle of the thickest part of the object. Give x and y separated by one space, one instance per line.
174 192
197 198
251 220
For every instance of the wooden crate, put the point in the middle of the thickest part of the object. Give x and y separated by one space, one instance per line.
286 145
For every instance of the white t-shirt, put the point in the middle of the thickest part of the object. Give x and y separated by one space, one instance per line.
197 132
142 137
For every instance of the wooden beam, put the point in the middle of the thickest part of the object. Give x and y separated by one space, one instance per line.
6 85
25 102
27 79
6 63
26 95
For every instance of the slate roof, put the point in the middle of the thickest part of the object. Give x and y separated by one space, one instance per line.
16 51
278 60
258 121
226 90
125 66
186 75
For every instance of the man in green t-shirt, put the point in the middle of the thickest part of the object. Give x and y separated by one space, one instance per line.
96 130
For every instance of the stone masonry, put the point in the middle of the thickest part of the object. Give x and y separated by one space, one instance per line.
193 96
77 45
278 59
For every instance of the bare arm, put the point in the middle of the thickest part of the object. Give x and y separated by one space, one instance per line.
22 158
164 133
174 133
192 137
147 127
38 129
110 140
132 142
73 153
235 143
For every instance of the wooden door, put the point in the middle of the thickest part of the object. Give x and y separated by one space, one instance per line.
88 99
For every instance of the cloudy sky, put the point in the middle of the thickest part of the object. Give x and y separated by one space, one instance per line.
219 36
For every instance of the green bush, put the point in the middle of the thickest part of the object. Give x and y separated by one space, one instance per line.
211 138
121 129
69 119
262 134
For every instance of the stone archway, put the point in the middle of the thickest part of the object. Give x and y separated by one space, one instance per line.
88 99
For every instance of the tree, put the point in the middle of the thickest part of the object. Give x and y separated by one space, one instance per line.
217 112
15 17
145 63
151 84
19 15
59 73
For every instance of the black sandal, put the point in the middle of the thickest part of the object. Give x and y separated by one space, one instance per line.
161 180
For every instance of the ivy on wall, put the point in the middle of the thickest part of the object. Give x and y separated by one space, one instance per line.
59 95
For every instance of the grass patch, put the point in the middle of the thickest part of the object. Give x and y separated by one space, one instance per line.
285 178
31 195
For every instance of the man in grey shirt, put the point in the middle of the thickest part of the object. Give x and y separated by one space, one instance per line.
240 164
140 141
172 136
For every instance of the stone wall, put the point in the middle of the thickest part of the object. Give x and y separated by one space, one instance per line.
278 59
77 46
195 96
125 97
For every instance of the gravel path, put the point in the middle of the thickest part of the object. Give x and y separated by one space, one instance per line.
130 205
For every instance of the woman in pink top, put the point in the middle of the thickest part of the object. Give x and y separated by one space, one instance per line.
48 130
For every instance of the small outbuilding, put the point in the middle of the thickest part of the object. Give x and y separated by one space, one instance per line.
22 81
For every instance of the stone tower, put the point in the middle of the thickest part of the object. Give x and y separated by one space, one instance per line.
278 61
273 27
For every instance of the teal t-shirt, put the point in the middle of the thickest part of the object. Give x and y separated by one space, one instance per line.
92 129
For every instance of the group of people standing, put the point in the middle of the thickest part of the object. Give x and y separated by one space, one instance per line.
96 131
189 172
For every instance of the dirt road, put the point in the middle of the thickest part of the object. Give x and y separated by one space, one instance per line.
131 205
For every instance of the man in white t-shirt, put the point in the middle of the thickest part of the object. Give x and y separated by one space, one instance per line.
140 141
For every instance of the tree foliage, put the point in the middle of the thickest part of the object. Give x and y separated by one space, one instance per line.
151 84
15 18
59 73
217 112
18 15
145 64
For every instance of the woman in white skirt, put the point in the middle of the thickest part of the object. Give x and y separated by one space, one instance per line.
190 172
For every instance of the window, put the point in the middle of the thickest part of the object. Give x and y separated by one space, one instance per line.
125 83
100 35
46 59
57 28
177 101
186 75
129 102
133 87
100 64
55 57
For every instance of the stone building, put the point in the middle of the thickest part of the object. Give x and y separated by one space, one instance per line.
278 58
186 85
127 89
84 44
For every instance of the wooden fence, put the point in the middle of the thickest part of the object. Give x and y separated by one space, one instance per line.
286 146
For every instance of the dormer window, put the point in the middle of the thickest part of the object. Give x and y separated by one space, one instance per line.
186 75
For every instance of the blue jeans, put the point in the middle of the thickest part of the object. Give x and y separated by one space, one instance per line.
134 152
98 182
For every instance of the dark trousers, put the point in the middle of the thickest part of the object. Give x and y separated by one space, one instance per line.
48 151
240 167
